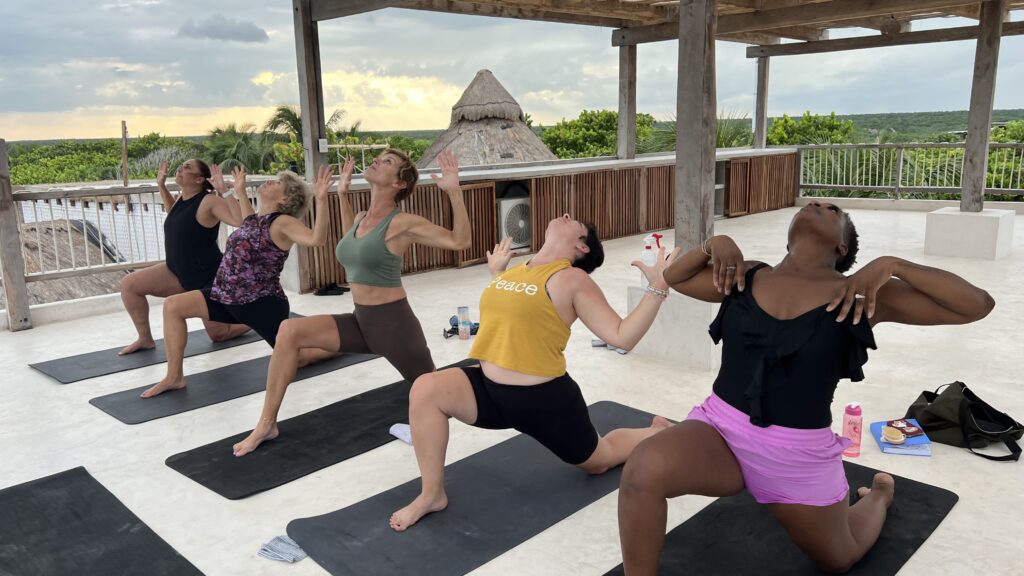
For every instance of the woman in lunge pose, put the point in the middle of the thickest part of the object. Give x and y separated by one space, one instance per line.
190 234
247 289
789 334
521 382
371 251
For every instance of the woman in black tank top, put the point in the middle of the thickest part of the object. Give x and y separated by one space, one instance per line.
190 238
787 343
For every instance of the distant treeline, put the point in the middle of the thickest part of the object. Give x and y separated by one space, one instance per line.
920 123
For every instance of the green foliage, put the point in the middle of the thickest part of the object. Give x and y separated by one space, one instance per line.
920 126
233 145
594 133
810 129
1012 132
732 130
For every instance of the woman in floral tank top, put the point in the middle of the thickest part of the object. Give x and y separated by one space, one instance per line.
247 289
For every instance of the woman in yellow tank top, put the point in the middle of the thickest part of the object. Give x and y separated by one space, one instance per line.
521 382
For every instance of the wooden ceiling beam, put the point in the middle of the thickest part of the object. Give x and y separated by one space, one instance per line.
880 41
329 9
468 7
826 13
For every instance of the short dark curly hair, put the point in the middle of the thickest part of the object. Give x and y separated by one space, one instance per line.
850 238
593 259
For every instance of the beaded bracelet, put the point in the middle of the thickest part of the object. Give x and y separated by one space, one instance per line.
663 294
704 247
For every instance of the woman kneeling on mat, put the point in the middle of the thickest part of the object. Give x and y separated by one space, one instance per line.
247 289
790 334
190 233
521 383
371 251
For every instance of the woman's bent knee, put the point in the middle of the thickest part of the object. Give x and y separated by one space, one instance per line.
644 470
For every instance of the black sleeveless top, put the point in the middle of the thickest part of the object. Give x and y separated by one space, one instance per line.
192 252
785 372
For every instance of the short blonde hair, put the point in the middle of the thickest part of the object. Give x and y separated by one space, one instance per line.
296 194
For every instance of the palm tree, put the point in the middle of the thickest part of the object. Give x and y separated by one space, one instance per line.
288 120
732 130
234 145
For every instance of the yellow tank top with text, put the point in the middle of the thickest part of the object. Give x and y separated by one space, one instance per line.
520 329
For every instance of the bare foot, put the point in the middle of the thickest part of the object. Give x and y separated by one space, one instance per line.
418 508
165 385
882 486
259 435
140 344
661 422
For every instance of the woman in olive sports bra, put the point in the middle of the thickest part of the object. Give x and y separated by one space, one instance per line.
190 236
789 334
371 252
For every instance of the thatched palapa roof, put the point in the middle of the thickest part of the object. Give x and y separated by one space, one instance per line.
487 128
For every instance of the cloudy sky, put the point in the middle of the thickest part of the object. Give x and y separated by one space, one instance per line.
71 69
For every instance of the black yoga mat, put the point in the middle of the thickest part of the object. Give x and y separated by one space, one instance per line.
307 443
206 388
70 524
708 543
93 364
498 499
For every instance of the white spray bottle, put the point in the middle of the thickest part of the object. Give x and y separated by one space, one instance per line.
649 255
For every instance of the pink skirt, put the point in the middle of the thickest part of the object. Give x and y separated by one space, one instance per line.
780 465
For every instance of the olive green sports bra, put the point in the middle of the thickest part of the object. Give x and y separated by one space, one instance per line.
367 260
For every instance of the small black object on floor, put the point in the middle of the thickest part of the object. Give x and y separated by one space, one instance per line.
737 535
69 524
499 498
103 362
307 443
208 388
331 289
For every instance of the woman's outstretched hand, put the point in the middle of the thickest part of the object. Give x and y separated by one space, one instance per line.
498 259
161 174
322 182
217 179
449 178
345 179
238 175
656 274
727 268
860 290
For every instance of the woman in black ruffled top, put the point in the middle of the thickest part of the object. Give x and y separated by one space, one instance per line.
789 333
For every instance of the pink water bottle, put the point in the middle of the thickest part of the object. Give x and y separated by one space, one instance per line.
852 428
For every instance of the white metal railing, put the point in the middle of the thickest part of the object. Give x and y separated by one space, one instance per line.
68 232
899 170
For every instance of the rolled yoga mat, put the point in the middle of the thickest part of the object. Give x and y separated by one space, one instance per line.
207 388
93 364
498 499
709 543
69 524
307 443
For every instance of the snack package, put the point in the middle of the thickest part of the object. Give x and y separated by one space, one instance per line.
908 429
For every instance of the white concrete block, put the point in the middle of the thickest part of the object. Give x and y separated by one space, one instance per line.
680 332
986 235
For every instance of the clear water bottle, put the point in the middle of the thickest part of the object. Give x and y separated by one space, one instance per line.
852 420
465 326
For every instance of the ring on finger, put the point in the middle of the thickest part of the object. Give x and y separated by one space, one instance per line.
730 267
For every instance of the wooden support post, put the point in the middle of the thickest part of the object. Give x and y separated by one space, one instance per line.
695 124
979 118
124 152
626 140
761 105
12 265
311 94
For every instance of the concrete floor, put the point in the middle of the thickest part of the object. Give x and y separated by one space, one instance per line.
48 427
